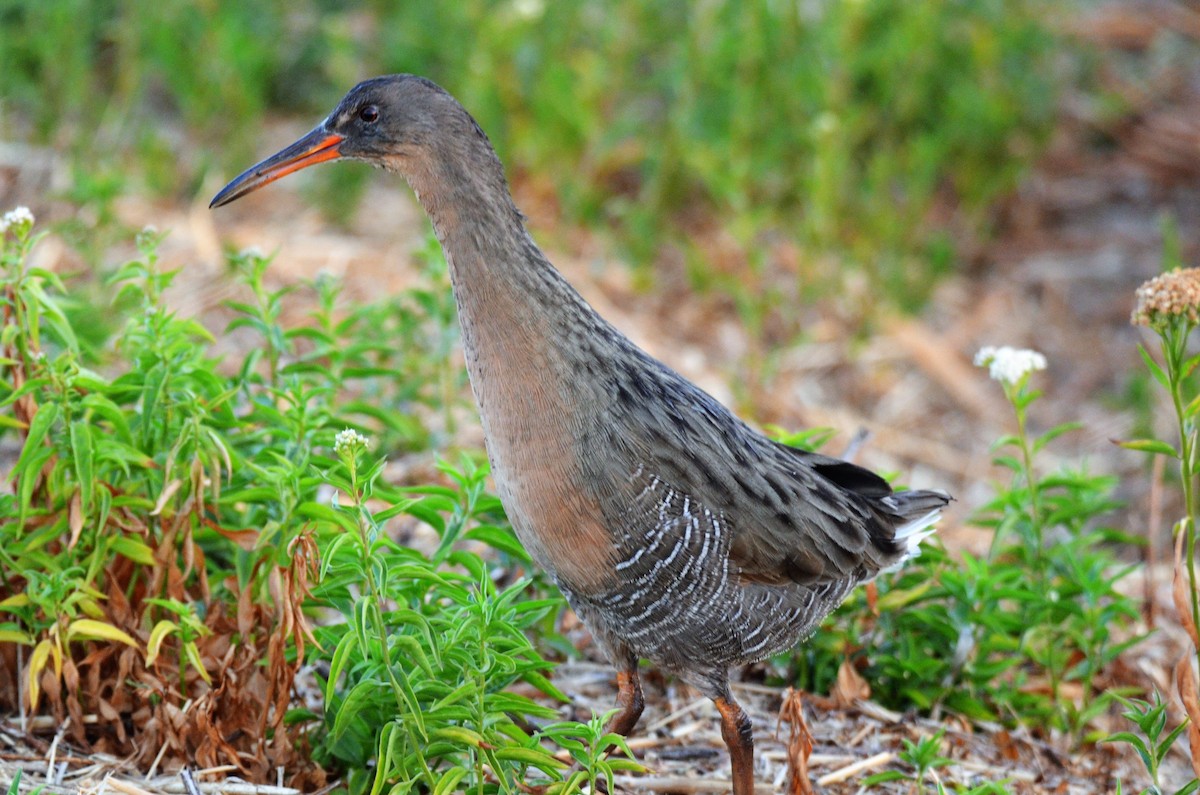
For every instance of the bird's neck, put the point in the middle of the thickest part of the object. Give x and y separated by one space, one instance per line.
511 300
518 315
532 347
540 359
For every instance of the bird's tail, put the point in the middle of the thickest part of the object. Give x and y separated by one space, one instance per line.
917 513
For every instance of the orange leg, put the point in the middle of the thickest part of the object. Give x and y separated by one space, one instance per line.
738 734
629 699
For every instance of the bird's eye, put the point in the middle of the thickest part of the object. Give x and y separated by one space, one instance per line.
369 114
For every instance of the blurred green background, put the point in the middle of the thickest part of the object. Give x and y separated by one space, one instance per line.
827 140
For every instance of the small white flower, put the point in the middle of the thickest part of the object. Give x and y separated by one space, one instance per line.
528 9
251 252
18 219
147 240
826 124
1009 365
348 440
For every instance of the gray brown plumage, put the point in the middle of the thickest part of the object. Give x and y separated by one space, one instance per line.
677 532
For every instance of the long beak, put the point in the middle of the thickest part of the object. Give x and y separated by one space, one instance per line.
316 147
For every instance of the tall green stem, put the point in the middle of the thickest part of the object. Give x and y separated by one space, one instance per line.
1174 348
376 602
1019 400
1035 508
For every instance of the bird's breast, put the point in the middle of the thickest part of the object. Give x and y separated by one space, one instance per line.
531 425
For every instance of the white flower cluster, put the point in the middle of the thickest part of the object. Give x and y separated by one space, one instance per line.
20 217
1009 365
348 440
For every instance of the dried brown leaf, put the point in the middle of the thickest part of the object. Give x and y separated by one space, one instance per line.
1005 745
246 539
75 517
167 493
1181 593
800 743
1185 684
245 613
850 687
872 592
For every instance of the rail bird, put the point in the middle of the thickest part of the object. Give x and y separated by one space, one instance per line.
677 532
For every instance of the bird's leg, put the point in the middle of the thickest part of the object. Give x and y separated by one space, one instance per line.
737 732
629 699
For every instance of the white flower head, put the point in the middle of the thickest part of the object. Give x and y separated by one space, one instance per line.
826 124
348 441
529 9
20 220
252 253
1009 365
147 241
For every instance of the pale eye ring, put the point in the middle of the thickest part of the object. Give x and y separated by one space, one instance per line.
369 114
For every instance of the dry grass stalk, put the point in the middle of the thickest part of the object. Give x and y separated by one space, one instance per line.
800 743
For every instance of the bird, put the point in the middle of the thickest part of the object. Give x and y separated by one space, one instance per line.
677 532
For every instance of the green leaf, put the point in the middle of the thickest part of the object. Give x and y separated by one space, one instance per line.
83 455
11 422
15 602
53 315
355 704
133 548
341 657
91 629
397 509
545 686
322 512
458 734
157 635
1189 788
898 598
192 654
29 477
12 633
500 539
102 406
39 427
1155 370
1154 446
1164 747
882 778
33 385
448 783
411 647
534 757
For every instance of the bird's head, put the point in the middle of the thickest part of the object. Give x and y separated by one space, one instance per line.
386 121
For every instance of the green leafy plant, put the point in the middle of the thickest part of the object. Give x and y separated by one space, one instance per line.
1169 305
14 788
999 637
420 672
825 137
1152 745
188 627
923 756
178 521
591 748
